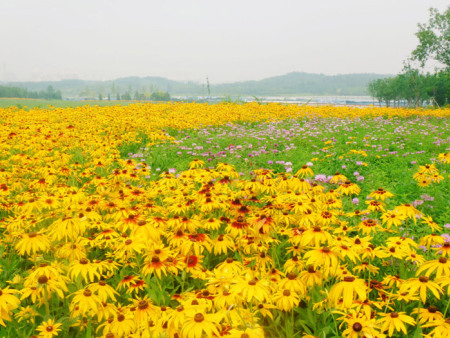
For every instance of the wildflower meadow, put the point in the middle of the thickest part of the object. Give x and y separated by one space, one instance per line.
227 220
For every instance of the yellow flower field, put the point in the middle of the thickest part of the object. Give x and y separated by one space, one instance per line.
92 246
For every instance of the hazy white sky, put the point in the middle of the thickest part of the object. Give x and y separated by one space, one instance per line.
189 40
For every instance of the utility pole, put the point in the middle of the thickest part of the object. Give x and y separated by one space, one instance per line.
208 87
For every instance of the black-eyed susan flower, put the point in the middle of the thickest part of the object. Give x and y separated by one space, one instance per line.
311 277
201 323
120 325
324 258
358 325
441 327
381 194
32 242
104 291
444 157
369 226
348 188
315 236
85 269
421 285
304 171
286 299
196 164
394 321
439 266
392 218
409 211
251 288
84 303
8 303
349 289
427 315
49 329
292 282
222 244
431 224
26 314
338 178
428 169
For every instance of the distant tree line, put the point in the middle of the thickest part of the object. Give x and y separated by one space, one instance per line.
49 94
412 87
156 95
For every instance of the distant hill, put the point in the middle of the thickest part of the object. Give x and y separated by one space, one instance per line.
290 84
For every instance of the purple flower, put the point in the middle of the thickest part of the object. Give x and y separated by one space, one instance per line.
309 164
360 178
320 178
427 197
355 201
447 225
413 162
417 203
269 162
356 173
359 163
344 167
172 170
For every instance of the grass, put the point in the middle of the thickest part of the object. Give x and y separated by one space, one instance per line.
390 165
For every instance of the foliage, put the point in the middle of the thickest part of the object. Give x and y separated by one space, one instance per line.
19 92
160 96
434 39
412 88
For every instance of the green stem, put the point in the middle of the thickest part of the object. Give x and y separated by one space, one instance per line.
335 324
446 309
293 321
46 300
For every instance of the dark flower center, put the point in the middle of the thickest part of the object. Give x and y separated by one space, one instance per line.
357 327
199 317
424 279
292 276
43 279
142 305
